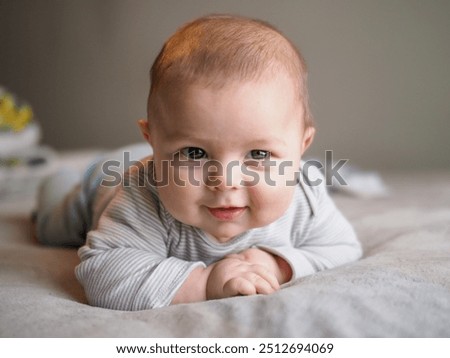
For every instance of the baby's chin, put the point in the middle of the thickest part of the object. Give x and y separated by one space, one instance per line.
227 231
223 236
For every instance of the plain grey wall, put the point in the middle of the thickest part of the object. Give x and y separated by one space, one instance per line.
379 70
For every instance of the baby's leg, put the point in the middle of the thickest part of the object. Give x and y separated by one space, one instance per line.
67 201
59 214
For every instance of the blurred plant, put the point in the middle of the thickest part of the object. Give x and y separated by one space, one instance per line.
13 117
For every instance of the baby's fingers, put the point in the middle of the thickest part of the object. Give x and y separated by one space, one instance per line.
239 286
262 286
266 275
247 285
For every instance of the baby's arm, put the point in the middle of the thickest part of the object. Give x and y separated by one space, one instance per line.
125 264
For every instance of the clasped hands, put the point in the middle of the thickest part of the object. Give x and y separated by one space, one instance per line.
250 272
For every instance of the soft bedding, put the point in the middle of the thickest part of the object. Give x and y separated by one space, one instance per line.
400 288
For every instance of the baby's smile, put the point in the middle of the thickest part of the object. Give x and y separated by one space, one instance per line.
227 213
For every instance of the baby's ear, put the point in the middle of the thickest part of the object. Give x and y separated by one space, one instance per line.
145 130
308 138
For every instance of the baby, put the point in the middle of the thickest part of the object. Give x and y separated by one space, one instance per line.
224 206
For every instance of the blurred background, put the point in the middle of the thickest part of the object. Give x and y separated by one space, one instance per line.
379 71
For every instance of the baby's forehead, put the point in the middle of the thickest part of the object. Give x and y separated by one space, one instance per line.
221 85
270 101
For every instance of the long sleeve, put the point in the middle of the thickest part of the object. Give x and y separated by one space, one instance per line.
328 242
125 264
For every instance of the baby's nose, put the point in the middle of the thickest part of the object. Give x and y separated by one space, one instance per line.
223 176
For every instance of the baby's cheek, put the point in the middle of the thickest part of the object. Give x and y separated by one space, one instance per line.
269 202
178 205
174 198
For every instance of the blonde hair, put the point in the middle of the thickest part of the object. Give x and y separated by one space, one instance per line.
217 48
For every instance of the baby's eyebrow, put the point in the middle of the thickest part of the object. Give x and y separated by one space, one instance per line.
268 142
181 137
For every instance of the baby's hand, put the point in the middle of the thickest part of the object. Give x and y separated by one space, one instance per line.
233 276
275 264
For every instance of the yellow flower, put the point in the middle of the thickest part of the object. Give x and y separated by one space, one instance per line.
14 117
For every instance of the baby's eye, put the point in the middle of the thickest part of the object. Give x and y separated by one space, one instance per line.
193 153
259 154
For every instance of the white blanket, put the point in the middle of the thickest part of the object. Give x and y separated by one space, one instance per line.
401 287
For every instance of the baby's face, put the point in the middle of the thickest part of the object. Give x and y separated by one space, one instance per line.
227 158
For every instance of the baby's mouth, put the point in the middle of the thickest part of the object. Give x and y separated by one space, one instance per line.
228 213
